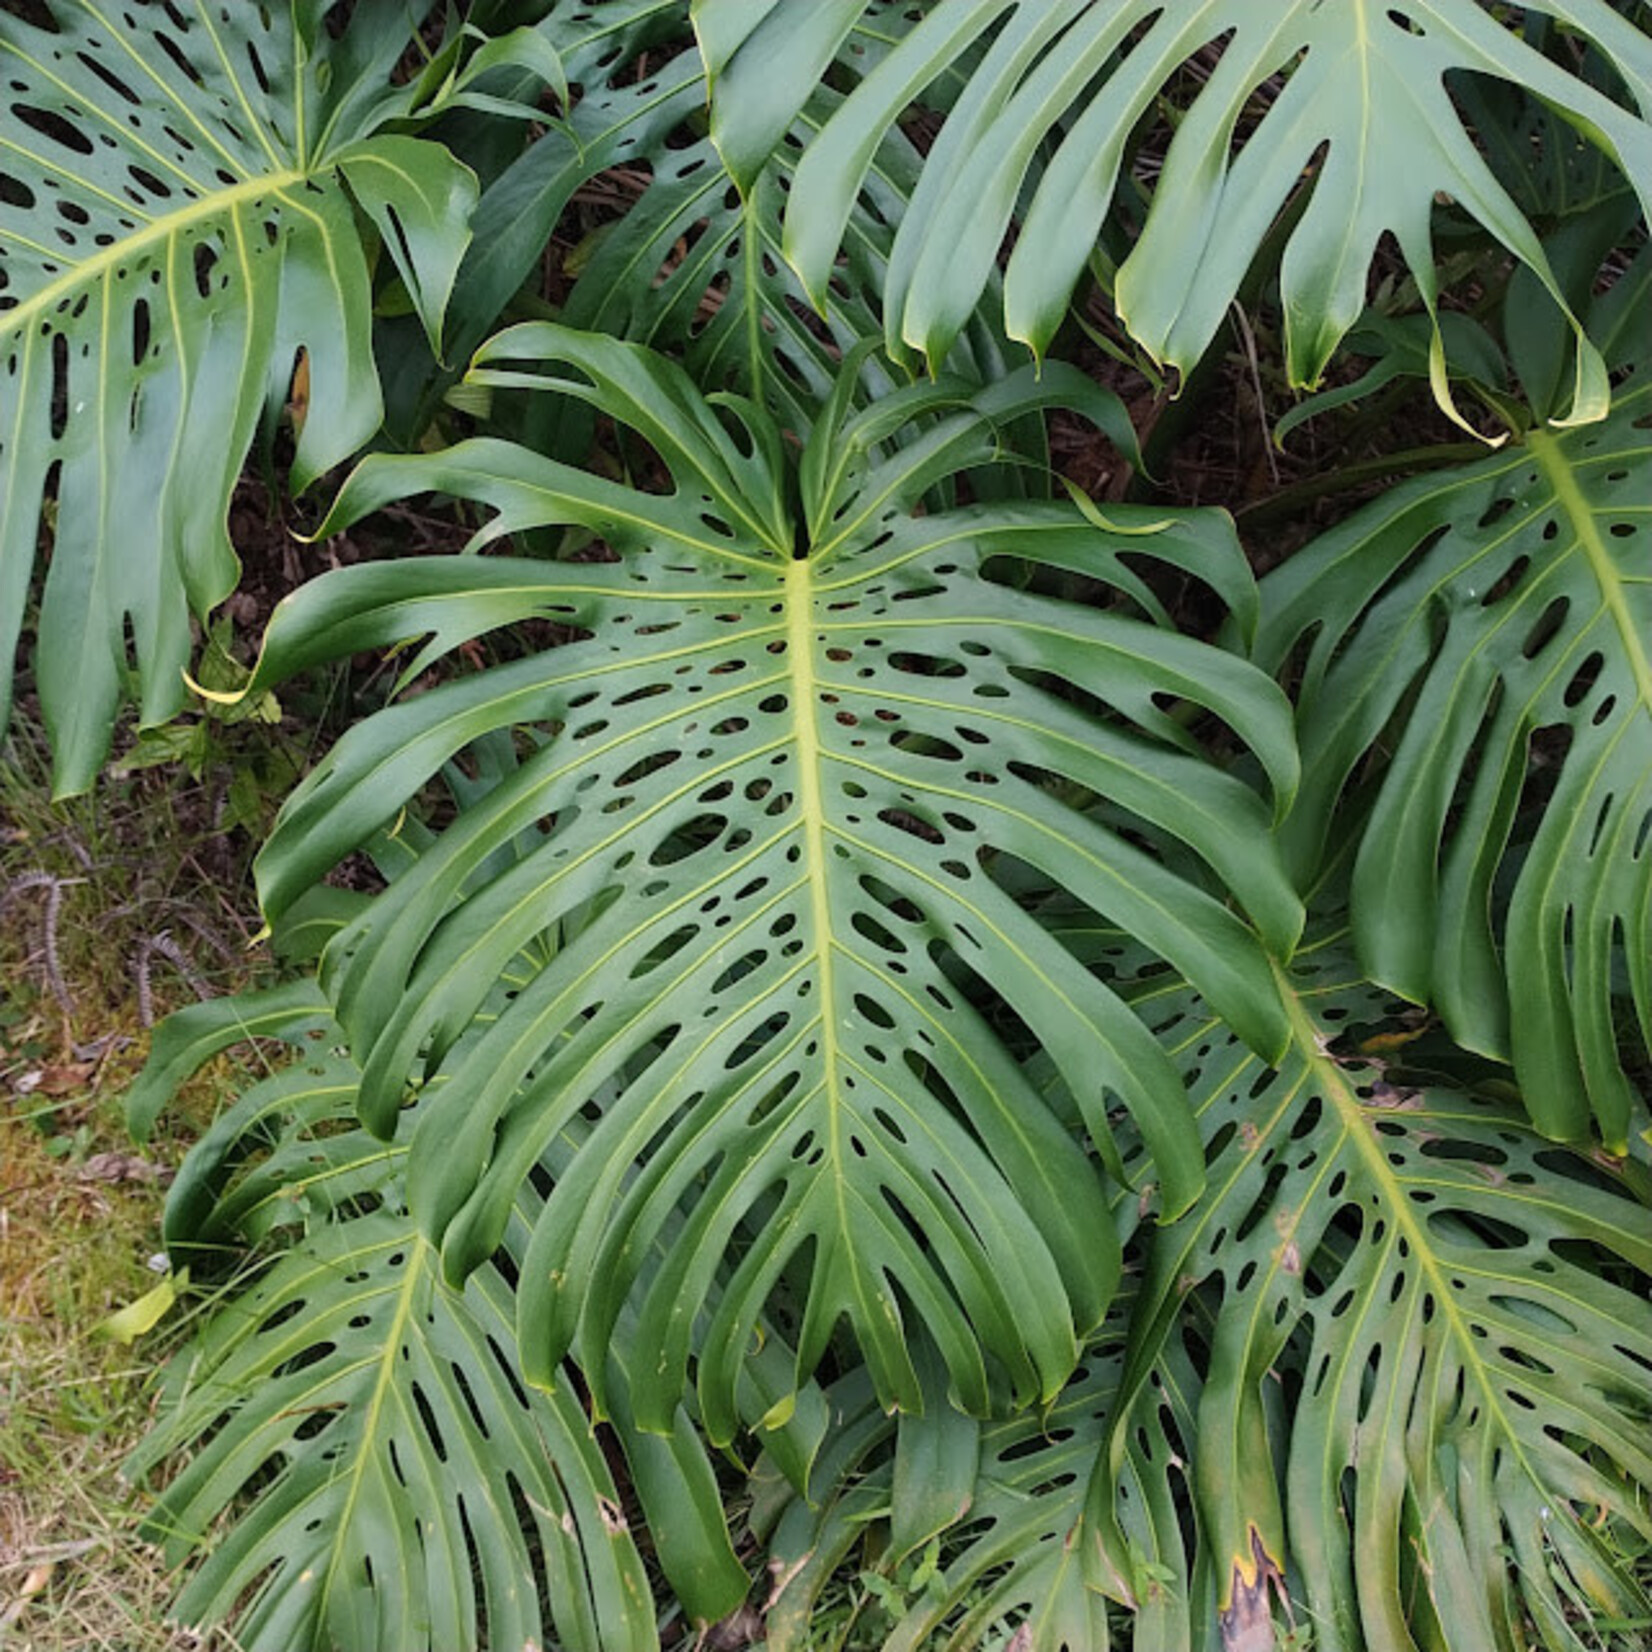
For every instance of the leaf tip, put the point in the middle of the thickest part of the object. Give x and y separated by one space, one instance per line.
219 697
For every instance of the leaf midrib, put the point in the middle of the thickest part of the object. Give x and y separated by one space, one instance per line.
799 589
1332 1084
1561 477
383 1384
160 230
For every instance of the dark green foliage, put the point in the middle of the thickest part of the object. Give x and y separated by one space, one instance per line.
830 1111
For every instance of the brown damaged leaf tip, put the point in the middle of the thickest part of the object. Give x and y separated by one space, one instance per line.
1247 1621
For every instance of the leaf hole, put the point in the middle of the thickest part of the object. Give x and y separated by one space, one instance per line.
52 126
60 386
303 1360
1583 679
179 57
874 1012
258 73
141 331
1506 583
1547 627
206 258
148 182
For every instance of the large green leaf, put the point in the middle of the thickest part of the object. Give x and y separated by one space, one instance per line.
694 264
384 1478
402 1490
406 1489
787 771
1023 1559
1482 641
621 118
1352 95
1394 1362
696 269
1553 171
177 221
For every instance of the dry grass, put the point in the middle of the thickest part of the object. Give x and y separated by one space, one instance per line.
85 888
73 1575
73 1248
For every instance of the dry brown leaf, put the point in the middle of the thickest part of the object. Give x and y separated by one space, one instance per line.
122 1167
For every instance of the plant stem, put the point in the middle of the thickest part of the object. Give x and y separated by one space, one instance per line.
1381 464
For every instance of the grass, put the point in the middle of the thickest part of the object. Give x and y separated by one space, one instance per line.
72 1573
79 1222
114 909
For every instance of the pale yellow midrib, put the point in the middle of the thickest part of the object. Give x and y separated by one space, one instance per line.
799 660
393 1337
1333 1085
83 275
1560 476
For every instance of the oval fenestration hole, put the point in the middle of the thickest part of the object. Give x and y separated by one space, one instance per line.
1506 582
51 125
148 182
179 57
109 79
1547 627
1583 679
60 386
15 193
874 1012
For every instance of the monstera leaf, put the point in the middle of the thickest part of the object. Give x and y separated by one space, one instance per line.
403 1472
696 268
1281 91
694 265
628 105
403 1490
1394 1363
178 190
787 761
1553 171
385 1478
1488 630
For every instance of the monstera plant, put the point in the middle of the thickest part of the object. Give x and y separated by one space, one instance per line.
179 223
1354 98
911 1055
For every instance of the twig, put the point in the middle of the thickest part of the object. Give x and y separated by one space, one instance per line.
78 850
225 949
100 1049
1248 339
25 880
51 1552
48 947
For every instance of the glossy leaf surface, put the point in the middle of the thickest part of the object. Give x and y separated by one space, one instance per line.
620 121
786 770
687 257
1354 97
1491 628
177 197
398 1487
696 268
1393 1360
